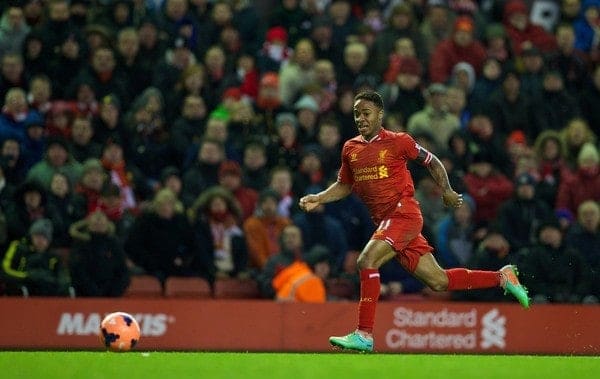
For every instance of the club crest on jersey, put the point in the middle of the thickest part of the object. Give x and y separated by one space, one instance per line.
353 157
382 154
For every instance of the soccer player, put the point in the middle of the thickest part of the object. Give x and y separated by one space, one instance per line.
374 166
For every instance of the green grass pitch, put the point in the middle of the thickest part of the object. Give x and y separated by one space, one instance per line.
150 365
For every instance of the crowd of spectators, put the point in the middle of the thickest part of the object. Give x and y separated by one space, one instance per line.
174 138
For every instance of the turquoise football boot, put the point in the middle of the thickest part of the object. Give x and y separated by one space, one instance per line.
353 341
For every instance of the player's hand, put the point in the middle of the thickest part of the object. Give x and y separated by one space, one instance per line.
452 199
309 202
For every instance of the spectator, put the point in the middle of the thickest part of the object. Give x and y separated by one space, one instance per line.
12 74
325 92
129 60
35 58
455 240
188 126
320 229
297 282
148 148
286 150
496 43
292 250
297 73
69 58
13 163
354 64
555 107
89 186
230 177
255 172
555 272
462 46
13 30
97 262
263 229
268 102
509 108
550 152
584 184
456 99
103 76
586 30
584 236
533 71
40 94
321 34
590 100
307 115
30 268
131 182
522 32
162 243
489 81
488 187
57 158
82 144
571 62
108 124
436 25
60 201
292 17
310 171
575 134
275 50
485 137
170 67
519 217
329 139
204 171
15 113
434 119
401 23
281 181
220 210
404 93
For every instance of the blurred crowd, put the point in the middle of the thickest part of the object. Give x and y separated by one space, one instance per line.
175 137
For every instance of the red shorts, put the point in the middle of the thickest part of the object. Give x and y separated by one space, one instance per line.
403 232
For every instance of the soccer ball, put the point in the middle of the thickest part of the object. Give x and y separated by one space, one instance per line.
119 331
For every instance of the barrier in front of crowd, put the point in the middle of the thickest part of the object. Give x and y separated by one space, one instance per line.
260 325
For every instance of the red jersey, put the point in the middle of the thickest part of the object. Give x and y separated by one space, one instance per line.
378 172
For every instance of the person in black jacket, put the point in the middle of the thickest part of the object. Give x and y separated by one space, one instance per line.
520 216
555 272
162 242
31 268
97 262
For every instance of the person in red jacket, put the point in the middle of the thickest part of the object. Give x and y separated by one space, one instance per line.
487 186
460 47
522 33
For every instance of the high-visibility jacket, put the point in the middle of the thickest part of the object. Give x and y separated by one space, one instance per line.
298 283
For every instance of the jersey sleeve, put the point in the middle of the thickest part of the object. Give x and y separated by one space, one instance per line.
345 174
411 150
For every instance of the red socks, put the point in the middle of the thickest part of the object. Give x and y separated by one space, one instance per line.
369 294
463 279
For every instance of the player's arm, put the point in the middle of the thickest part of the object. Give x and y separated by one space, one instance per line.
334 192
440 176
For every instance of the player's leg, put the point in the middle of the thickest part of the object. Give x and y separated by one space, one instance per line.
438 279
375 253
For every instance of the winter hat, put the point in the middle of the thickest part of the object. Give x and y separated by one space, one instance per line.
91 164
514 7
284 118
168 172
306 102
588 152
277 33
43 227
268 193
270 79
464 23
111 99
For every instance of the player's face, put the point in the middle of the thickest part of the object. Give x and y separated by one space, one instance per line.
368 118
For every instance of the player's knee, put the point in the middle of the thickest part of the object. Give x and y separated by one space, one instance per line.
365 261
438 283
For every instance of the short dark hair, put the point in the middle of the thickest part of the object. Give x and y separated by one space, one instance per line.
371 96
